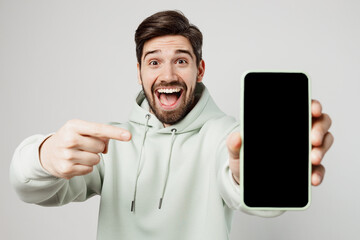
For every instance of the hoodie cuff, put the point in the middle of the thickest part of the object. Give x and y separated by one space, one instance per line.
229 189
29 158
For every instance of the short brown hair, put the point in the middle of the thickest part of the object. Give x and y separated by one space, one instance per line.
168 23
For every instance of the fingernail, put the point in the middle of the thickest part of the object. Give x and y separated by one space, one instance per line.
125 135
316 179
316 138
315 155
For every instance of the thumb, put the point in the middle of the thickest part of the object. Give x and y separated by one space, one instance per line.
233 143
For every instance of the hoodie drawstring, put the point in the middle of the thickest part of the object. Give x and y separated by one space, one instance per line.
139 162
173 131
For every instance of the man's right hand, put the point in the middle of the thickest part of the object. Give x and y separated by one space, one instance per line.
73 150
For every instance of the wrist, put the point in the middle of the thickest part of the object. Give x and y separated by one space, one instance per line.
43 153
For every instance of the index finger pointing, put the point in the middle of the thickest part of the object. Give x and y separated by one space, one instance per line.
100 130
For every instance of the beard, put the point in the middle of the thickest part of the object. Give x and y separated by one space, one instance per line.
170 117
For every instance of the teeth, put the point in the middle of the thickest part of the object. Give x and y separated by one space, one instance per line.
168 90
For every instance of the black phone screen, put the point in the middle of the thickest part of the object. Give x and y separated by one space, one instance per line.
276 140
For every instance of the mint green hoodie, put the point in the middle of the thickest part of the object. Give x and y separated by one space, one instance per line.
166 183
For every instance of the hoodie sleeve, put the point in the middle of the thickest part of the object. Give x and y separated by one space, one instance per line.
228 188
34 184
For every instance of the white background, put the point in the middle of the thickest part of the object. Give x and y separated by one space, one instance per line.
76 59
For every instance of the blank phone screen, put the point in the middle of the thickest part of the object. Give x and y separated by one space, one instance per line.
276 140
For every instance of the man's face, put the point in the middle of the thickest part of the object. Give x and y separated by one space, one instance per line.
168 75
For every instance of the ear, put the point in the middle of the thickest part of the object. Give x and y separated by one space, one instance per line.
201 71
139 74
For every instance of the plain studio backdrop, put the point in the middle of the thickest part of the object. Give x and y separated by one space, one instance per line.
61 60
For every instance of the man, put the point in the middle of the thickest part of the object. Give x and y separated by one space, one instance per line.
172 171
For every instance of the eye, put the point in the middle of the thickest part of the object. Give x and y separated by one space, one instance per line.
181 61
153 63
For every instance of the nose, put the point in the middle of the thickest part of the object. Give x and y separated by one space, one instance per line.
168 73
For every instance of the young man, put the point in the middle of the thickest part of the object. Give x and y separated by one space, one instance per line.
171 172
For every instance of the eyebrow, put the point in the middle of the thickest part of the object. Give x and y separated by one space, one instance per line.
184 51
150 52
177 52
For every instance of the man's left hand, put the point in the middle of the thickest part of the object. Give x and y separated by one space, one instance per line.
321 140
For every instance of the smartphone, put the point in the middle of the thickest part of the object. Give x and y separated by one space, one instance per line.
275 125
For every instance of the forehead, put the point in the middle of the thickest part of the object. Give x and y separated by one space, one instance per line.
168 43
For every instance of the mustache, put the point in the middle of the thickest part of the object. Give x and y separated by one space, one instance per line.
169 84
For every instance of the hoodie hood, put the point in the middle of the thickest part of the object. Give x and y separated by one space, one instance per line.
204 110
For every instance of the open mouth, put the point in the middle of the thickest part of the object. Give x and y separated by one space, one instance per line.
169 97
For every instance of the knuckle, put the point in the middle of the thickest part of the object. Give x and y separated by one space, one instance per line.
73 121
321 170
329 138
70 141
65 169
327 117
68 155
90 169
322 131
71 124
101 146
94 159
87 170
97 159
